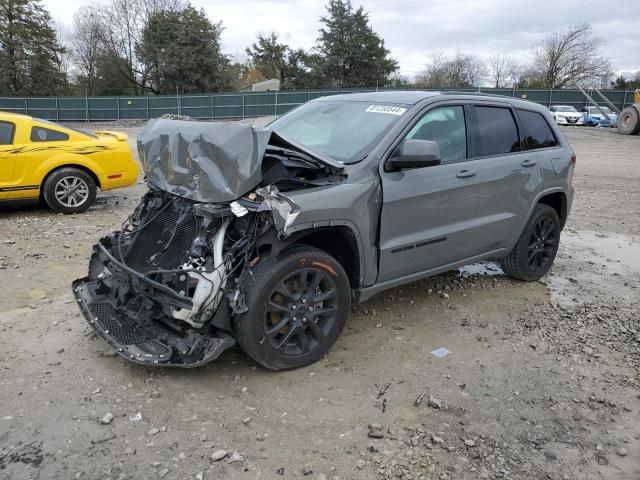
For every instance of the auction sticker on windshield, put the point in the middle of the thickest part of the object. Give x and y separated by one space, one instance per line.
388 109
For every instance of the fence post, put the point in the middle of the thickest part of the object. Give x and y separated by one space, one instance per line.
624 101
243 106
211 99
86 108
275 110
550 96
26 106
147 107
57 111
117 108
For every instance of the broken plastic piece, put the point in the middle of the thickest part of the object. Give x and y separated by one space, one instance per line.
238 210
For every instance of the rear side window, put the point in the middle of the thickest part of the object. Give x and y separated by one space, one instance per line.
497 131
6 133
537 133
41 134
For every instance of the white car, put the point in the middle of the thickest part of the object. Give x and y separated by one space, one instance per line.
566 115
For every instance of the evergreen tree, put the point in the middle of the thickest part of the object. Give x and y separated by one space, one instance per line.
294 68
353 54
182 48
269 56
29 50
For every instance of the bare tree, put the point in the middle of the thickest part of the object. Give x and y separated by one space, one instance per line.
504 70
87 47
65 56
566 58
461 71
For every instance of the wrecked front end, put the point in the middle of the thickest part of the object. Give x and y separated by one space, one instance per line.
164 289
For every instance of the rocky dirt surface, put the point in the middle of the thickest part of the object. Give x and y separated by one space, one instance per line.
541 380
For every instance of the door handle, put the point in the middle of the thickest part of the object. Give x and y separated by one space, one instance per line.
529 163
466 173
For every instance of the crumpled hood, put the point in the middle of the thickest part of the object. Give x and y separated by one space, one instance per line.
203 161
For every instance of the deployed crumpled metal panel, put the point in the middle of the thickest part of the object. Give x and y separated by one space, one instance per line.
203 161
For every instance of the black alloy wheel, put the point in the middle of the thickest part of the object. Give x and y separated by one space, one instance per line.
298 303
536 249
301 311
543 244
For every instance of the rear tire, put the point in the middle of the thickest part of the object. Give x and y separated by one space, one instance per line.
298 304
69 190
629 121
537 246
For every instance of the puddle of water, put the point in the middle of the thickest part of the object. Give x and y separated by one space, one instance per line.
617 253
592 264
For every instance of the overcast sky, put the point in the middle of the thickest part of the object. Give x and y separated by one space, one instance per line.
415 29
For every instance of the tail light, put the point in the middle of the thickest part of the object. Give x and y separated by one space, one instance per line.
573 158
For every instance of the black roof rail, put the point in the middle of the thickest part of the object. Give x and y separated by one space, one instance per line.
479 94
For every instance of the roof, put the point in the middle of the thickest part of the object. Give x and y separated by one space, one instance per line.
15 115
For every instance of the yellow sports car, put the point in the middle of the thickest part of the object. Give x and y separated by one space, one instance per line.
62 166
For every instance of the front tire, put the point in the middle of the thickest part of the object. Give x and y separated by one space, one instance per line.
298 304
69 190
537 246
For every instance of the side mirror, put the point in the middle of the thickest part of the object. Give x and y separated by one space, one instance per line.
414 153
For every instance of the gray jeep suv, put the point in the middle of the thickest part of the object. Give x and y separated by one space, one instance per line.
263 237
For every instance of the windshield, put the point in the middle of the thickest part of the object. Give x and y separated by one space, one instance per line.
342 130
562 108
593 110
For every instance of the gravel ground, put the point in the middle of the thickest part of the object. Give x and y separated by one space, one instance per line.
542 379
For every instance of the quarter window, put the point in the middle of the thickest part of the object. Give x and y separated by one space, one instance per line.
41 134
497 131
446 127
6 133
537 133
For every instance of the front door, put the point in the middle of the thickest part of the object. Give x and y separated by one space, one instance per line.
464 207
7 158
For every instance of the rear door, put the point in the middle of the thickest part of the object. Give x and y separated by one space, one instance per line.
465 207
512 173
7 157
538 136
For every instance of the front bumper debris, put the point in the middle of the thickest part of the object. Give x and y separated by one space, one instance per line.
150 344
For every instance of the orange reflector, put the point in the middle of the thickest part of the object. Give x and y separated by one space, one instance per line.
117 175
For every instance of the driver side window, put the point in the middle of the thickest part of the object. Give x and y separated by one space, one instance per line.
446 127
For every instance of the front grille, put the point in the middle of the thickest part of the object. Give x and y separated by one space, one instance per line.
164 243
107 318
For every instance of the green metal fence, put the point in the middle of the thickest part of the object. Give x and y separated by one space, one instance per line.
239 105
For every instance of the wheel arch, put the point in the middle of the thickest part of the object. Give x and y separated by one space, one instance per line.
340 241
84 168
558 201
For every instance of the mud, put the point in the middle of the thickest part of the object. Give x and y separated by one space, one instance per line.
542 380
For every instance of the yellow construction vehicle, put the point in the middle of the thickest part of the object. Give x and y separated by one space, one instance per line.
629 118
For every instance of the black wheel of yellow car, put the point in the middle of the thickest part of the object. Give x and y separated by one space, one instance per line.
69 190
298 304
